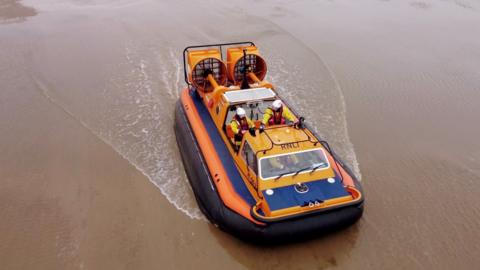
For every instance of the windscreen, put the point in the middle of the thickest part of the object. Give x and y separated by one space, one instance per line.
293 163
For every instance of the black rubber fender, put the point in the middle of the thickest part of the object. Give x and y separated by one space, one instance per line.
212 206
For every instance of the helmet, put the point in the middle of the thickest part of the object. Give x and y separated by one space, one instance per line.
240 112
277 104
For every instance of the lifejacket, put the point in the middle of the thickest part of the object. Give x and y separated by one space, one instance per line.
242 123
277 117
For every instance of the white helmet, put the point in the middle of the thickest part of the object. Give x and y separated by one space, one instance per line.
277 104
240 112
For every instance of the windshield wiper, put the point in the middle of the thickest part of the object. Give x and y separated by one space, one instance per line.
282 174
302 169
318 167
311 167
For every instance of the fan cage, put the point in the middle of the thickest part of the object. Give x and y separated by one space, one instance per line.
199 76
256 63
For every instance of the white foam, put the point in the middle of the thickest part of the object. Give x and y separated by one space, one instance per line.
135 116
138 129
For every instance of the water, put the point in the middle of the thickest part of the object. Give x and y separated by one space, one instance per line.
405 75
131 105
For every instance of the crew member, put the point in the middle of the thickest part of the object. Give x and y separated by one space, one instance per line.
241 124
282 162
277 114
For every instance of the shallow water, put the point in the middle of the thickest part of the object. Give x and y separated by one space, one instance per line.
129 100
405 76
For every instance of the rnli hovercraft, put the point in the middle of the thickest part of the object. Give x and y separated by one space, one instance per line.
277 182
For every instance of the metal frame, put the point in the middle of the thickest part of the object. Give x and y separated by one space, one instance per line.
250 43
218 45
316 136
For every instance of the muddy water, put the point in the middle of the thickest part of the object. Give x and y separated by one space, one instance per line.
91 176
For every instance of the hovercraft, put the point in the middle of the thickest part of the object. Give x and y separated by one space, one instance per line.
236 184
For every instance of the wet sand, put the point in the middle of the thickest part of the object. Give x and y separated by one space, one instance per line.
90 176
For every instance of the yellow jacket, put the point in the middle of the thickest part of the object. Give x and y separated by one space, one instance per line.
236 127
286 113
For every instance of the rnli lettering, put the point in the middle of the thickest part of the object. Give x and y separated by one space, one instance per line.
290 145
